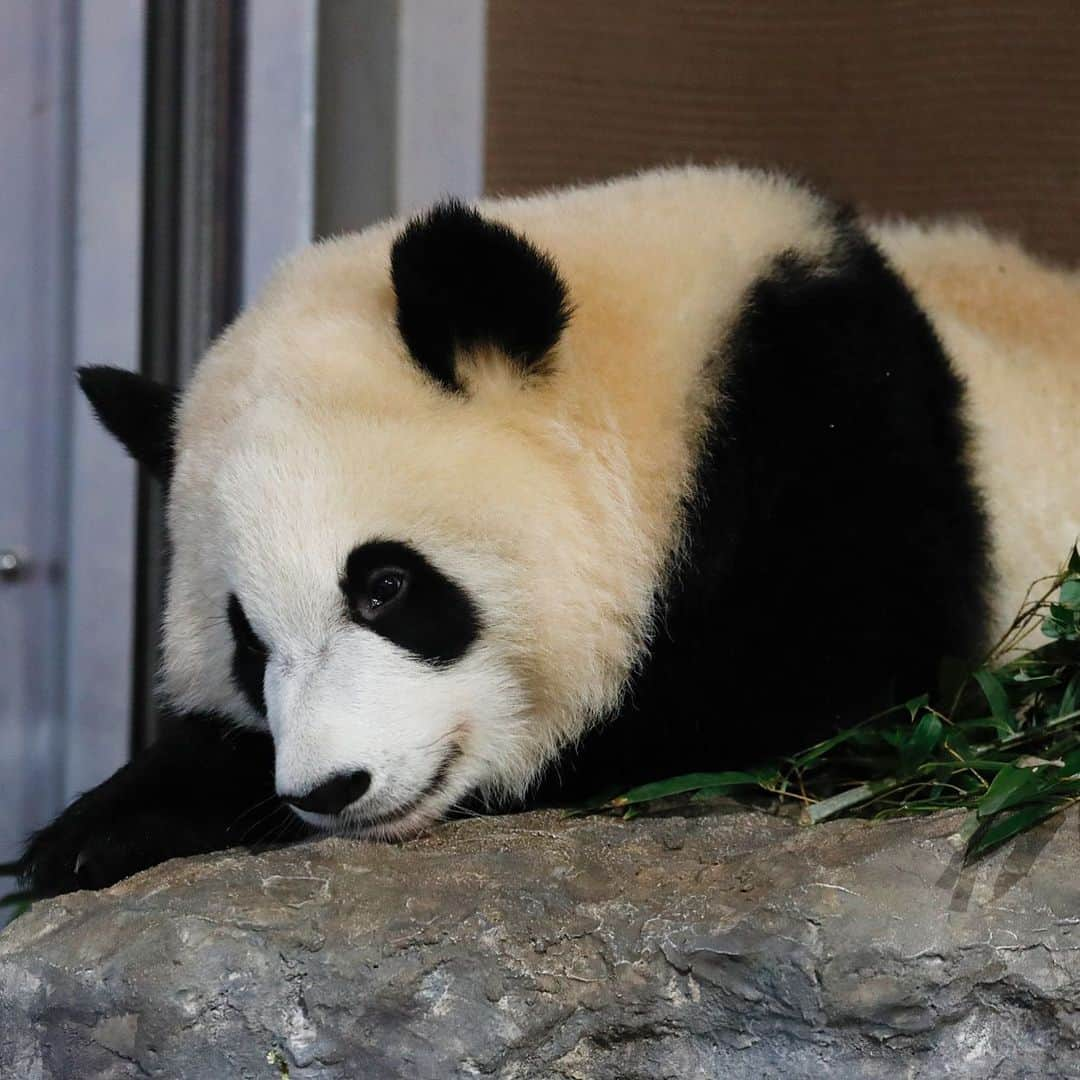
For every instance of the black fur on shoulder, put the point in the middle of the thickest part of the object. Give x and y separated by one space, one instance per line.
838 549
137 411
462 281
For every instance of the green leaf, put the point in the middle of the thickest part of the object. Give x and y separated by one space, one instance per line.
1070 699
845 800
1004 827
1071 764
982 764
1063 614
1012 785
1073 566
916 704
970 827
1007 752
812 753
763 775
922 742
1063 623
706 793
680 785
997 698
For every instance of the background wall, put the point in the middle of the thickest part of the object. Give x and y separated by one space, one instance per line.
901 105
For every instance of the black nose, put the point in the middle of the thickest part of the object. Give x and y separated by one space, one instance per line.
335 794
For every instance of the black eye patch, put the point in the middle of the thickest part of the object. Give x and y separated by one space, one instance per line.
249 657
392 589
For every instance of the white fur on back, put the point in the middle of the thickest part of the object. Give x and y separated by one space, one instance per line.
1012 327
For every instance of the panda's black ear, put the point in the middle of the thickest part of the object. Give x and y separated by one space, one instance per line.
462 281
137 410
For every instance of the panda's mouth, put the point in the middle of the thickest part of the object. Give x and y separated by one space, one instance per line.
398 815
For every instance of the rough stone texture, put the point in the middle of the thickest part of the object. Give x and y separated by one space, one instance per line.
725 945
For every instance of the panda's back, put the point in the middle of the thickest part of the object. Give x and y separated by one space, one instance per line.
1011 326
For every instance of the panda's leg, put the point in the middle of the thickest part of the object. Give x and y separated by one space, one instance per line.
201 787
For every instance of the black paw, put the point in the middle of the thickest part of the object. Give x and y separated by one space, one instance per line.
199 788
72 853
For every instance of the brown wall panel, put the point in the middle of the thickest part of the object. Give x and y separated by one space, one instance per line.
902 106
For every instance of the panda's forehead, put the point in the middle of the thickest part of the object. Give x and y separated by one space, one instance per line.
333 469
288 494
289 497
324 470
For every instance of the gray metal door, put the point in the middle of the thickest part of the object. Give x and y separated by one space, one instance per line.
70 251
35 129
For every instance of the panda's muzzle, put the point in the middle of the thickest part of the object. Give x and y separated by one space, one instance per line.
405 809
332 796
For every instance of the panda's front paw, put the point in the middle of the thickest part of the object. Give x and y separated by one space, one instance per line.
199 788
78 854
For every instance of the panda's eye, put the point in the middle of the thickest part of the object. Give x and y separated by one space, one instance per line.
249 656
391 590
384 587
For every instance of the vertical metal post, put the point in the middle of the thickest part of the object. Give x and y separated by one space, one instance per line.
279 135
192 245
400 107
440 113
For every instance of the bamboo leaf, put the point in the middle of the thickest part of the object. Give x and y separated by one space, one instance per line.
837 804
1012 785
706 793
922 741
1073 566
916 705
1070 699
992 833
680 785
997 698
1071 764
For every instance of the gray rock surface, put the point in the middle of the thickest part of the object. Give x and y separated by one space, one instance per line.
724 945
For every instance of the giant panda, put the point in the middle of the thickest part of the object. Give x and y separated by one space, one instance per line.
515 502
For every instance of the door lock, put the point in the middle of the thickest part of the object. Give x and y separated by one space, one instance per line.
12 564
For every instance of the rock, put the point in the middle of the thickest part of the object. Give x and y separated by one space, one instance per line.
723 945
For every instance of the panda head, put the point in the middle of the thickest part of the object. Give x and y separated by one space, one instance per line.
380 548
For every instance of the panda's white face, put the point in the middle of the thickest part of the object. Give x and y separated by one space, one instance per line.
330 595
376 705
